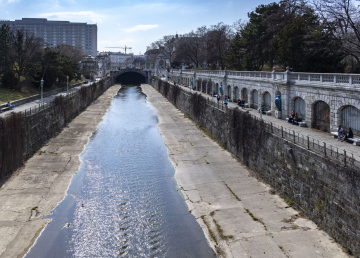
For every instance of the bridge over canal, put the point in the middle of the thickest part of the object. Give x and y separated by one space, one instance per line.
130 75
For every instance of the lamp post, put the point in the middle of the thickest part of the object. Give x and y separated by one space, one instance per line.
42 85
67 85
259 100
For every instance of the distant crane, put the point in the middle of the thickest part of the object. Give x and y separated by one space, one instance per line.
122 48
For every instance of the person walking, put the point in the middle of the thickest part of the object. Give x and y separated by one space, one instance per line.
225 102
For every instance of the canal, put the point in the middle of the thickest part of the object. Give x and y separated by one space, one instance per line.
123 201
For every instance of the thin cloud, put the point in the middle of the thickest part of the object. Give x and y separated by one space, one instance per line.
142 27
74 16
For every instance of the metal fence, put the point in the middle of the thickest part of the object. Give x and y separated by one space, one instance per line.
37 108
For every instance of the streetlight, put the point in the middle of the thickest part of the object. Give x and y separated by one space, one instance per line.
259 100
67 83
42 84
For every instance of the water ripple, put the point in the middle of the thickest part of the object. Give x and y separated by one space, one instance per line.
125 202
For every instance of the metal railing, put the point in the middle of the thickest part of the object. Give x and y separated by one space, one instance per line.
37 108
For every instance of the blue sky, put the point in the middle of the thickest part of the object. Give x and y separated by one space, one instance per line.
135 23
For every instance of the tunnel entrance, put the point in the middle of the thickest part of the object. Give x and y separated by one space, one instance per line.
132 78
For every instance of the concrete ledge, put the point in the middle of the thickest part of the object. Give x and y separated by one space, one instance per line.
356 141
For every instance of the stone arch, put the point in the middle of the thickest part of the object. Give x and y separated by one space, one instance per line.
236 93
130 76
320 116
228 91
299 106
203 86
245 95
349 116
209 87
216 88
198 85
266 100
254 99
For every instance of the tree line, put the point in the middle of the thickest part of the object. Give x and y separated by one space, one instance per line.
24 61
306 36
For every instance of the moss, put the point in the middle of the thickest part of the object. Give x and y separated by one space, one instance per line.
211 233
231 191
319 205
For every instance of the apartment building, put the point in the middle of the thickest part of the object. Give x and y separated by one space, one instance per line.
59 32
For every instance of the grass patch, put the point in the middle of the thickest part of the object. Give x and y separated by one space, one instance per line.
348 250
252 215
11 95
212 234
291 203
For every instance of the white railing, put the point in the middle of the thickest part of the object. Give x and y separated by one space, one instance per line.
291 77
332 78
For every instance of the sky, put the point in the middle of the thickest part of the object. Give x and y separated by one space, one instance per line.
136 23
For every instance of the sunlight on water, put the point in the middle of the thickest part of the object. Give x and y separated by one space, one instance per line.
123 202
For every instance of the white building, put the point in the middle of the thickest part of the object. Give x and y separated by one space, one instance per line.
119 60
59 32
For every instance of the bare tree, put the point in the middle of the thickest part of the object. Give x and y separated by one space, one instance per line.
218 40
26 47
342 17
190 49
74 53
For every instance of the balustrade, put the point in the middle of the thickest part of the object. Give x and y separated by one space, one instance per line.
291 77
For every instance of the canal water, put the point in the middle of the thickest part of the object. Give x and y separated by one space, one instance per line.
123 201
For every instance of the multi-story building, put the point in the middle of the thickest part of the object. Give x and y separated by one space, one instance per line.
59 32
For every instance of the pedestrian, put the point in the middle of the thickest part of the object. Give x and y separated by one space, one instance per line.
225 102
341 133
10 105
218 98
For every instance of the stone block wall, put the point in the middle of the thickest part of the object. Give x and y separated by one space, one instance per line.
21 136
324 190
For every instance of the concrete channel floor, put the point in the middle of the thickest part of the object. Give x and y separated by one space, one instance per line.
240 215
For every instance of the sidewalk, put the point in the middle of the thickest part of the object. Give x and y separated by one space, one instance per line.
319 136
37 102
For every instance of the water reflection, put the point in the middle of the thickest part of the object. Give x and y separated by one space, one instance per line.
123 202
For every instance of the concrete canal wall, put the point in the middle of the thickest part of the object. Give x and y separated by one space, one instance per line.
22 134
326 190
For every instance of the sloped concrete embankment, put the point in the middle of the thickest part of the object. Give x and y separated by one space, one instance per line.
324 190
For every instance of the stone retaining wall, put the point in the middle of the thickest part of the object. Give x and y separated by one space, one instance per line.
326 191
21 136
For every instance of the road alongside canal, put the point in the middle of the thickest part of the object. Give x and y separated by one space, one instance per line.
241 216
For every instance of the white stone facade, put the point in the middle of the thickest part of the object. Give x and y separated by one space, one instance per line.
336 90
